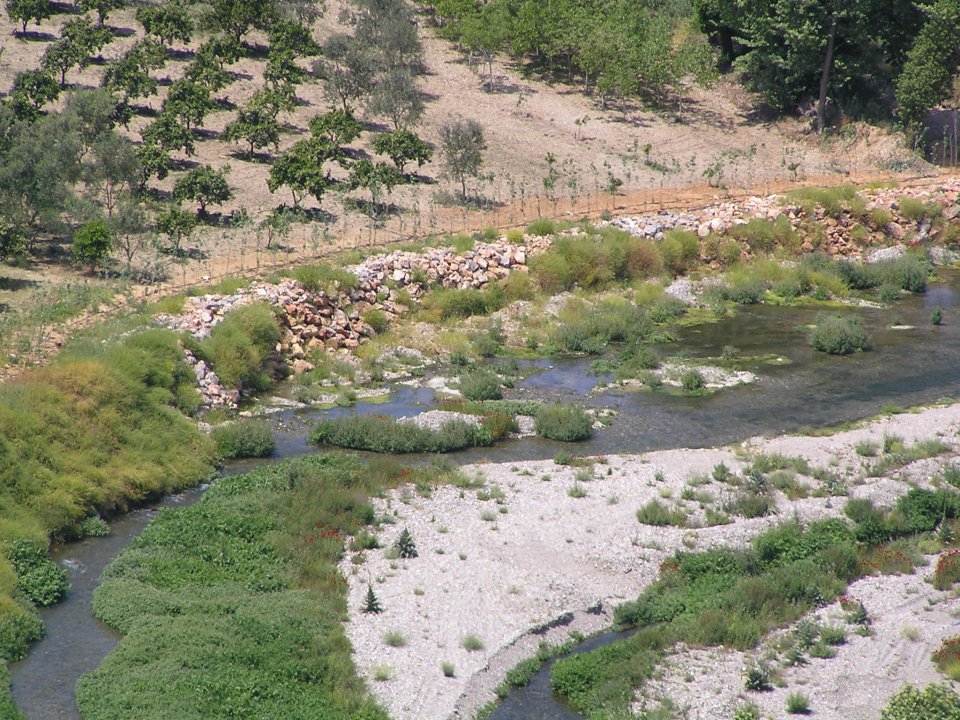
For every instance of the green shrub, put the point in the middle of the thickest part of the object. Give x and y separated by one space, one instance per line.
798 704
386 435
480 385
472 643
40 580
692 380
935 702
377 320
762 235
93 526
542 227
838 335
244 438
447 303
657 513
324 277
239 347
566 423
913 209
680 250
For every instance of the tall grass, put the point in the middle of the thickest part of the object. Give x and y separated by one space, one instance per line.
234 606
239 347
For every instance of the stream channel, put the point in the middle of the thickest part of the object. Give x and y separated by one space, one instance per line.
907 367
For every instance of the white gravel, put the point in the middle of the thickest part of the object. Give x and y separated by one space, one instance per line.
498 567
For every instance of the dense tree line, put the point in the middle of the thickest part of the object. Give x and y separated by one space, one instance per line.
616 48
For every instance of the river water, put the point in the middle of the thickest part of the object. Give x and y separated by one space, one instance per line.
906 367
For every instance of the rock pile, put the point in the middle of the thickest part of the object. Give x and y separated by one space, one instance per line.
335 320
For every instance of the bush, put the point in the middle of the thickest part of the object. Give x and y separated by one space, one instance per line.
447 303
798 704
657 513
244 438
542 227
480 385
378 321
836 335
692 381
386 435
935 702
913 209
324 277
680 250
43 582
239 347
566 423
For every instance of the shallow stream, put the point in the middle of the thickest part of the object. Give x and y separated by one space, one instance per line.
906 367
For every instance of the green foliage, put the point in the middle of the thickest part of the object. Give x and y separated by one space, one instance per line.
679 249
692 381
256 124
931 63
301 169
934 702
239 347
542 228
251 567
566 423
837 335
385 435
657 513
446 303
23 11
461 147
480 385
405 547
167 22
43 582
244 438
324 277
403 147
204 185
92 243
371 605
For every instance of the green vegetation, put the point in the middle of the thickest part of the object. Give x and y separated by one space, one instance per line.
244 438
480 385
95 432
277 602
836 335
656 512
240 346
566 423
934 702
386 435
447 303
735 597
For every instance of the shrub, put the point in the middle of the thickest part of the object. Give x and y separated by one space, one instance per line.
240 345
378 321
515 237
542 227
935 702
913 209
324 277
757 678
43 582
519 286
752 505
500 424
404 546
446 303
395 638
472 643
838 335
480 385
566 423
692 381
371 603
657 513
449 670
947 657
679 250
244 438
747 712
798 704
643 260
948 570
936 317
386 435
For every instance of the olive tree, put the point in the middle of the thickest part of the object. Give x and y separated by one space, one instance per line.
461 147
396 96
403 147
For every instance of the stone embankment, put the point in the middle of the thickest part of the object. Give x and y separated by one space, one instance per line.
333 319
845 233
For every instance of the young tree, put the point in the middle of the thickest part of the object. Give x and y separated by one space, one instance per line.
130 74
13 242
23 11
337 127
403 147
301 170
167 133
204 185
92 116
371 604
92 244
282 75
154 161
375 177
461 146
397 97
177 225
188 102
113 171
207 70
349 70
128 225
226 50
237 17
167 22
32 89
256 124
102 7
294 36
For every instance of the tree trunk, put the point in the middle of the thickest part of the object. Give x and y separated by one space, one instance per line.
825 75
